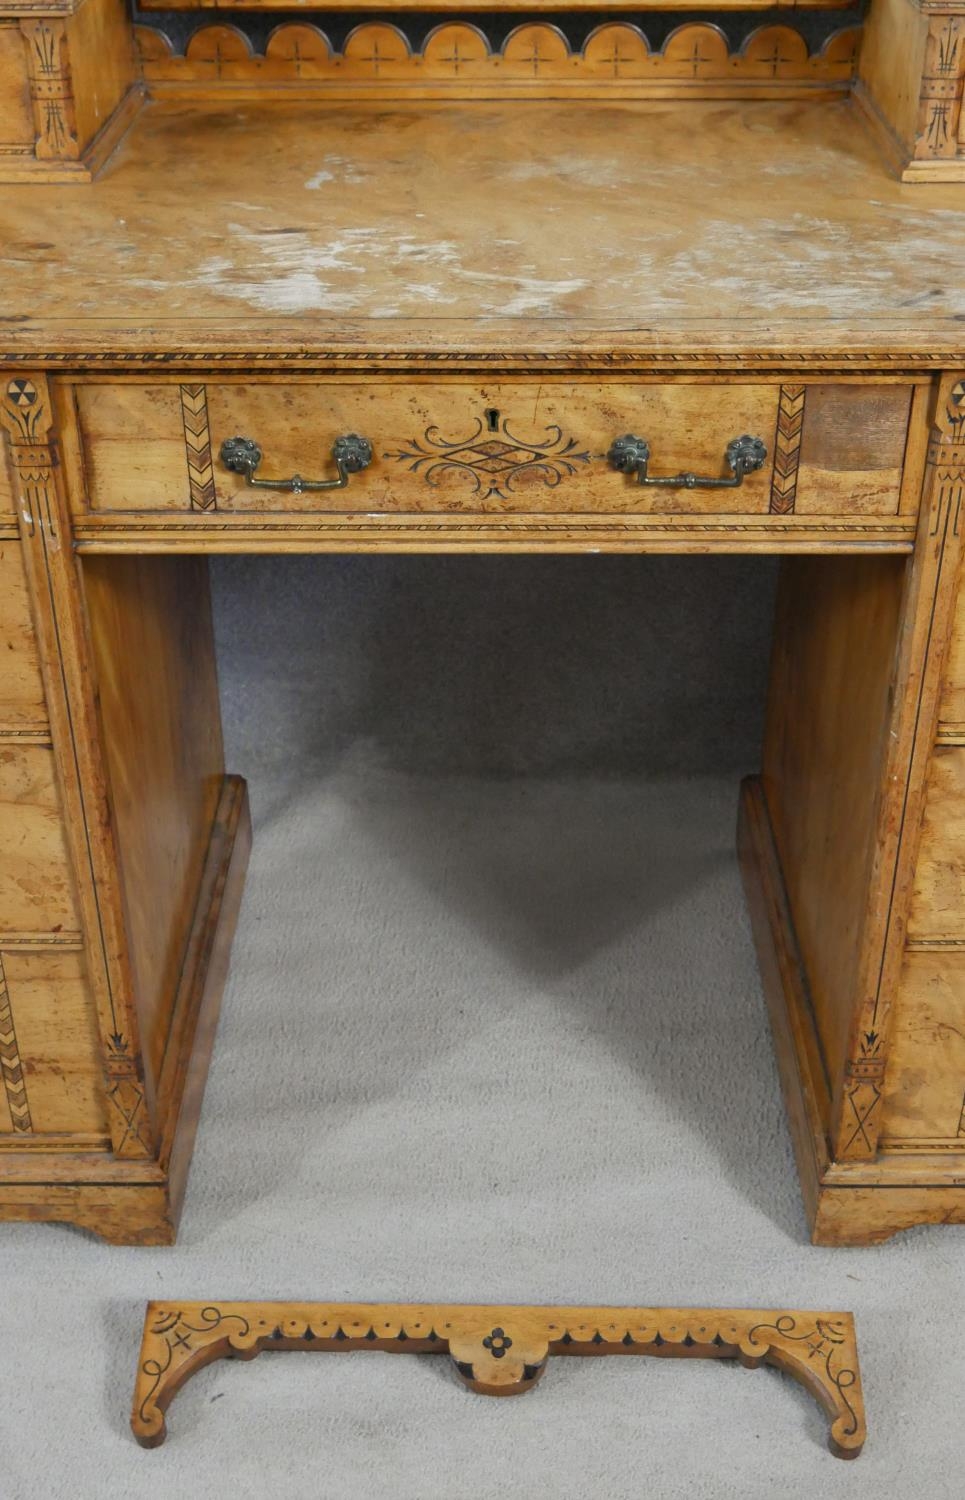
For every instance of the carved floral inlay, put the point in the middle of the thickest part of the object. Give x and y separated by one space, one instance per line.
494 463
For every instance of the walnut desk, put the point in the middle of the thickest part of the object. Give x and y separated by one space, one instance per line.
481 299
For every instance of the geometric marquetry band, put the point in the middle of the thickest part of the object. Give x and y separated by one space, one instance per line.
11 1064
787 449
197 443
320 358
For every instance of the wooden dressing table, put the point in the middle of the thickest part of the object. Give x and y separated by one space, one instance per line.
489 292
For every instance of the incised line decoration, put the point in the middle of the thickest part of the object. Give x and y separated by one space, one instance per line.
501 1351
25 411
495 464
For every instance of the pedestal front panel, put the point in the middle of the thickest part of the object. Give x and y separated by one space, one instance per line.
50 1063
119 874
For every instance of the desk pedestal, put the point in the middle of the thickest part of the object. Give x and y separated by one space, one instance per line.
123 842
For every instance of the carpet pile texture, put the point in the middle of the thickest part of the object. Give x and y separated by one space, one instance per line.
487 1036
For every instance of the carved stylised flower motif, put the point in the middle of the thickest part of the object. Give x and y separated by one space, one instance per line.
495 466
497 1343
21 392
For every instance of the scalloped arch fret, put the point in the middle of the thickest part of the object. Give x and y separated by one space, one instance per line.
457 61
501 1351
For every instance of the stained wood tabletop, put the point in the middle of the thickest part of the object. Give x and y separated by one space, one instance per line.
666 230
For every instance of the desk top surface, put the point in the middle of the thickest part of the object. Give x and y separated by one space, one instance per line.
533 230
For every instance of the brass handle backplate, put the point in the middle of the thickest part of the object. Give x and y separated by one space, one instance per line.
351 454
631 455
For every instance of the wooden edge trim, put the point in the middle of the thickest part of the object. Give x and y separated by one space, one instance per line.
69 1161
939 170
119 1213
58 349
227 6
561 539
423 532
10 9
806 1089
896 154
113 130
59 1142
27 942
501 1351
194 1016
856 1217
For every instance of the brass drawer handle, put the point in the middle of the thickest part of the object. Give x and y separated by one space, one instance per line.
350 452
631 455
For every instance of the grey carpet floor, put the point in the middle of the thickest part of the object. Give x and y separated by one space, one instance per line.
482 1041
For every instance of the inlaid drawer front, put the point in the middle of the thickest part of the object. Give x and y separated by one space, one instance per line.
36 890
938 896
618 448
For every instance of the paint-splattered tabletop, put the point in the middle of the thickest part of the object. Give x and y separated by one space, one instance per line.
483 227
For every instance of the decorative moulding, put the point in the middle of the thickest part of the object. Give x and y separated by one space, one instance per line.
501 1351
457 61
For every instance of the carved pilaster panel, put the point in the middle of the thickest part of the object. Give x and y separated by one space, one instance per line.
51 88
928 612
941 89
26 414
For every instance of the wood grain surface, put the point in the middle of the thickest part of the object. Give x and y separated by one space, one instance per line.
286 273
297 232
499 1350
486 446
153 648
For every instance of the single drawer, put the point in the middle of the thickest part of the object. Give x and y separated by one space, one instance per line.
461 446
